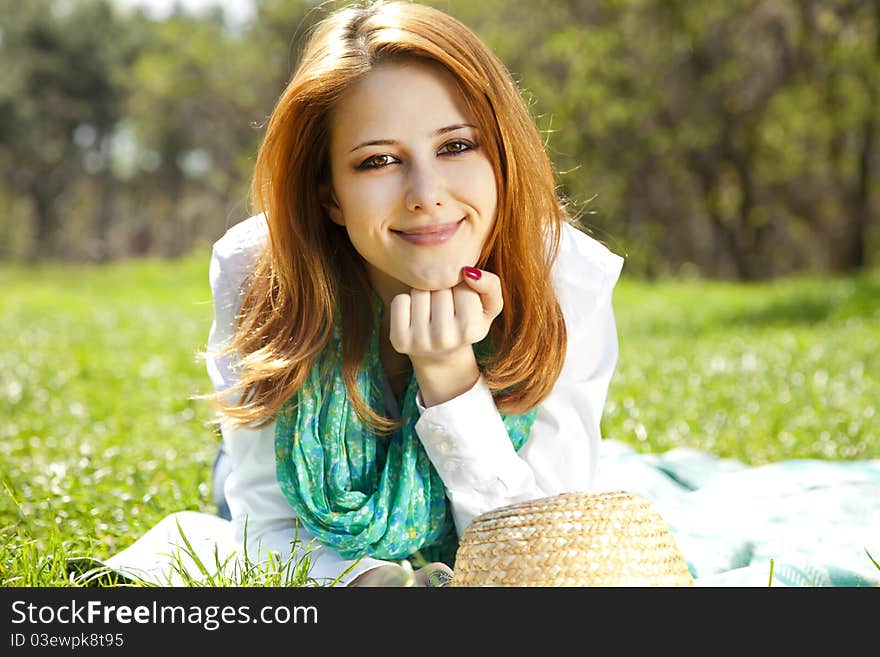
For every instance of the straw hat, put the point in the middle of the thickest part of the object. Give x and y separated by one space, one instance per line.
613 538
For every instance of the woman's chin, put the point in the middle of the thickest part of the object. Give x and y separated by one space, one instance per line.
436 278
434 283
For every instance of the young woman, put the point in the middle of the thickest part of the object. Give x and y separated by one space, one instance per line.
411 332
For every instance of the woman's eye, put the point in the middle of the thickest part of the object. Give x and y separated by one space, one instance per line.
456 147
376 162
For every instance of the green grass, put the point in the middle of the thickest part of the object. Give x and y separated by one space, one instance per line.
761 372
100 439
97 365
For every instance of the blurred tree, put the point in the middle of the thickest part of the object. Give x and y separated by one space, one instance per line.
199 96
184 107
733 138
738 135
60 97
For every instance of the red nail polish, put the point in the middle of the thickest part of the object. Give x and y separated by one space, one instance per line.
472 272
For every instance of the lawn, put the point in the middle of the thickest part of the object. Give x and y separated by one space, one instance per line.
101 438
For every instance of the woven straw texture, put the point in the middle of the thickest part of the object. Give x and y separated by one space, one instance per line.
613 538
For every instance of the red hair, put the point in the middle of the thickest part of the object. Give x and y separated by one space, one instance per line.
288 307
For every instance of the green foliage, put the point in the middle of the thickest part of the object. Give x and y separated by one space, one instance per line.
740 139
61 96
730 135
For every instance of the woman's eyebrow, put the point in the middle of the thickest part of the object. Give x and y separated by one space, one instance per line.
391 142
454 126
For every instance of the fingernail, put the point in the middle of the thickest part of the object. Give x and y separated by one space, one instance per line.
472 272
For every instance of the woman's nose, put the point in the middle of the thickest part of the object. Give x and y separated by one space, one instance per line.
426 189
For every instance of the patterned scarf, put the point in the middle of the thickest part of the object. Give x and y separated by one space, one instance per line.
359 493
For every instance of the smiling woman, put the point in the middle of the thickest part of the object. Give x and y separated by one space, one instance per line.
427 182
417 207
391 342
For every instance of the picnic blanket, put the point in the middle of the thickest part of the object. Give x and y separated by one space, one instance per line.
817 521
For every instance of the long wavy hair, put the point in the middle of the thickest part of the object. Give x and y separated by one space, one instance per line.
309 266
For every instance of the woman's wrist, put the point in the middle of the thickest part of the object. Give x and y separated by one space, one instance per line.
446 376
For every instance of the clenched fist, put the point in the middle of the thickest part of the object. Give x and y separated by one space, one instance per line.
431 324
437 330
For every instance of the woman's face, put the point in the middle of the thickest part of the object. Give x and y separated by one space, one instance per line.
411 181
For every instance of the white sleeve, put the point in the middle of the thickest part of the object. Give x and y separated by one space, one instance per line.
260 512
466 439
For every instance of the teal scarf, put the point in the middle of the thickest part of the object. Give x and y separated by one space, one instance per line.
359 493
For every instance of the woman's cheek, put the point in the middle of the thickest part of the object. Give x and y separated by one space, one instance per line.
366 193
477 182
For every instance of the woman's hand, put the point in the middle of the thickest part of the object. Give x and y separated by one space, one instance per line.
390 575
432 575
429 325
437 330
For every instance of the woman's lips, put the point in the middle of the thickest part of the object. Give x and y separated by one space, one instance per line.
430 235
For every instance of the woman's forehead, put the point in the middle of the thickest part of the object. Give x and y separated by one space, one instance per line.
396 101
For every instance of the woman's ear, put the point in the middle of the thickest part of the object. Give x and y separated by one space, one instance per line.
330 204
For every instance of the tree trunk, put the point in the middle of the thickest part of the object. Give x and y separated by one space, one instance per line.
853 254
45 224
103 217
